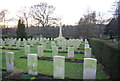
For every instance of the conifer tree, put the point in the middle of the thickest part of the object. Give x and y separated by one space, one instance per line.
21 30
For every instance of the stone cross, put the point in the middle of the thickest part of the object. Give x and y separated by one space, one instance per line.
90 65
60 31
58 67
60 37
10 61
32 64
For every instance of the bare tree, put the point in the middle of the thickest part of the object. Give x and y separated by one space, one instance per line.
43 14
24 14
117 17
87 24
101 21
117 9
3 16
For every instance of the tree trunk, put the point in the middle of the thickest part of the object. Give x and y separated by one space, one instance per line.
27 23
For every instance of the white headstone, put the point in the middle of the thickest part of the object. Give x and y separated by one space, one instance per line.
63 45
10 61
54 50
86 41
71 42
10 44
41 42
3 43
31 43
53 44
87 46
47 41
40 51
70 52
27 49
77 43
58 67
24 42
29 40
19 39
88 52
37 40
7 41
67 43
18 44
44 45
32 64
89 71
59 43
13 41
51 39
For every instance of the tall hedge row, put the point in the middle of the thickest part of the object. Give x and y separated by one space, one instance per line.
108 54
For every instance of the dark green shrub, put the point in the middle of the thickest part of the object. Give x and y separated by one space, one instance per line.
107 53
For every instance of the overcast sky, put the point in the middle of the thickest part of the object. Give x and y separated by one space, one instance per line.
69 10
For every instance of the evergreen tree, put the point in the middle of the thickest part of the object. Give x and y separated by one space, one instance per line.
21 30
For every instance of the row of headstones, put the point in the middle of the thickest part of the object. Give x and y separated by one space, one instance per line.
72 43
68 43
33 41
90 65
41 49
72 48
88 49
89 69
18 43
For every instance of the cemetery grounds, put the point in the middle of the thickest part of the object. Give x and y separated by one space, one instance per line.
73 66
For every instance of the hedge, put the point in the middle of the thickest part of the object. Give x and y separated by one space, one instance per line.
108 54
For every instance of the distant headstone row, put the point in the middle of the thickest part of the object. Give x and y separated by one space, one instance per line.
64 44
18 43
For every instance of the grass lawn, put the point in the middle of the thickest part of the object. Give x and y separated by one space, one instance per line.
72 70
